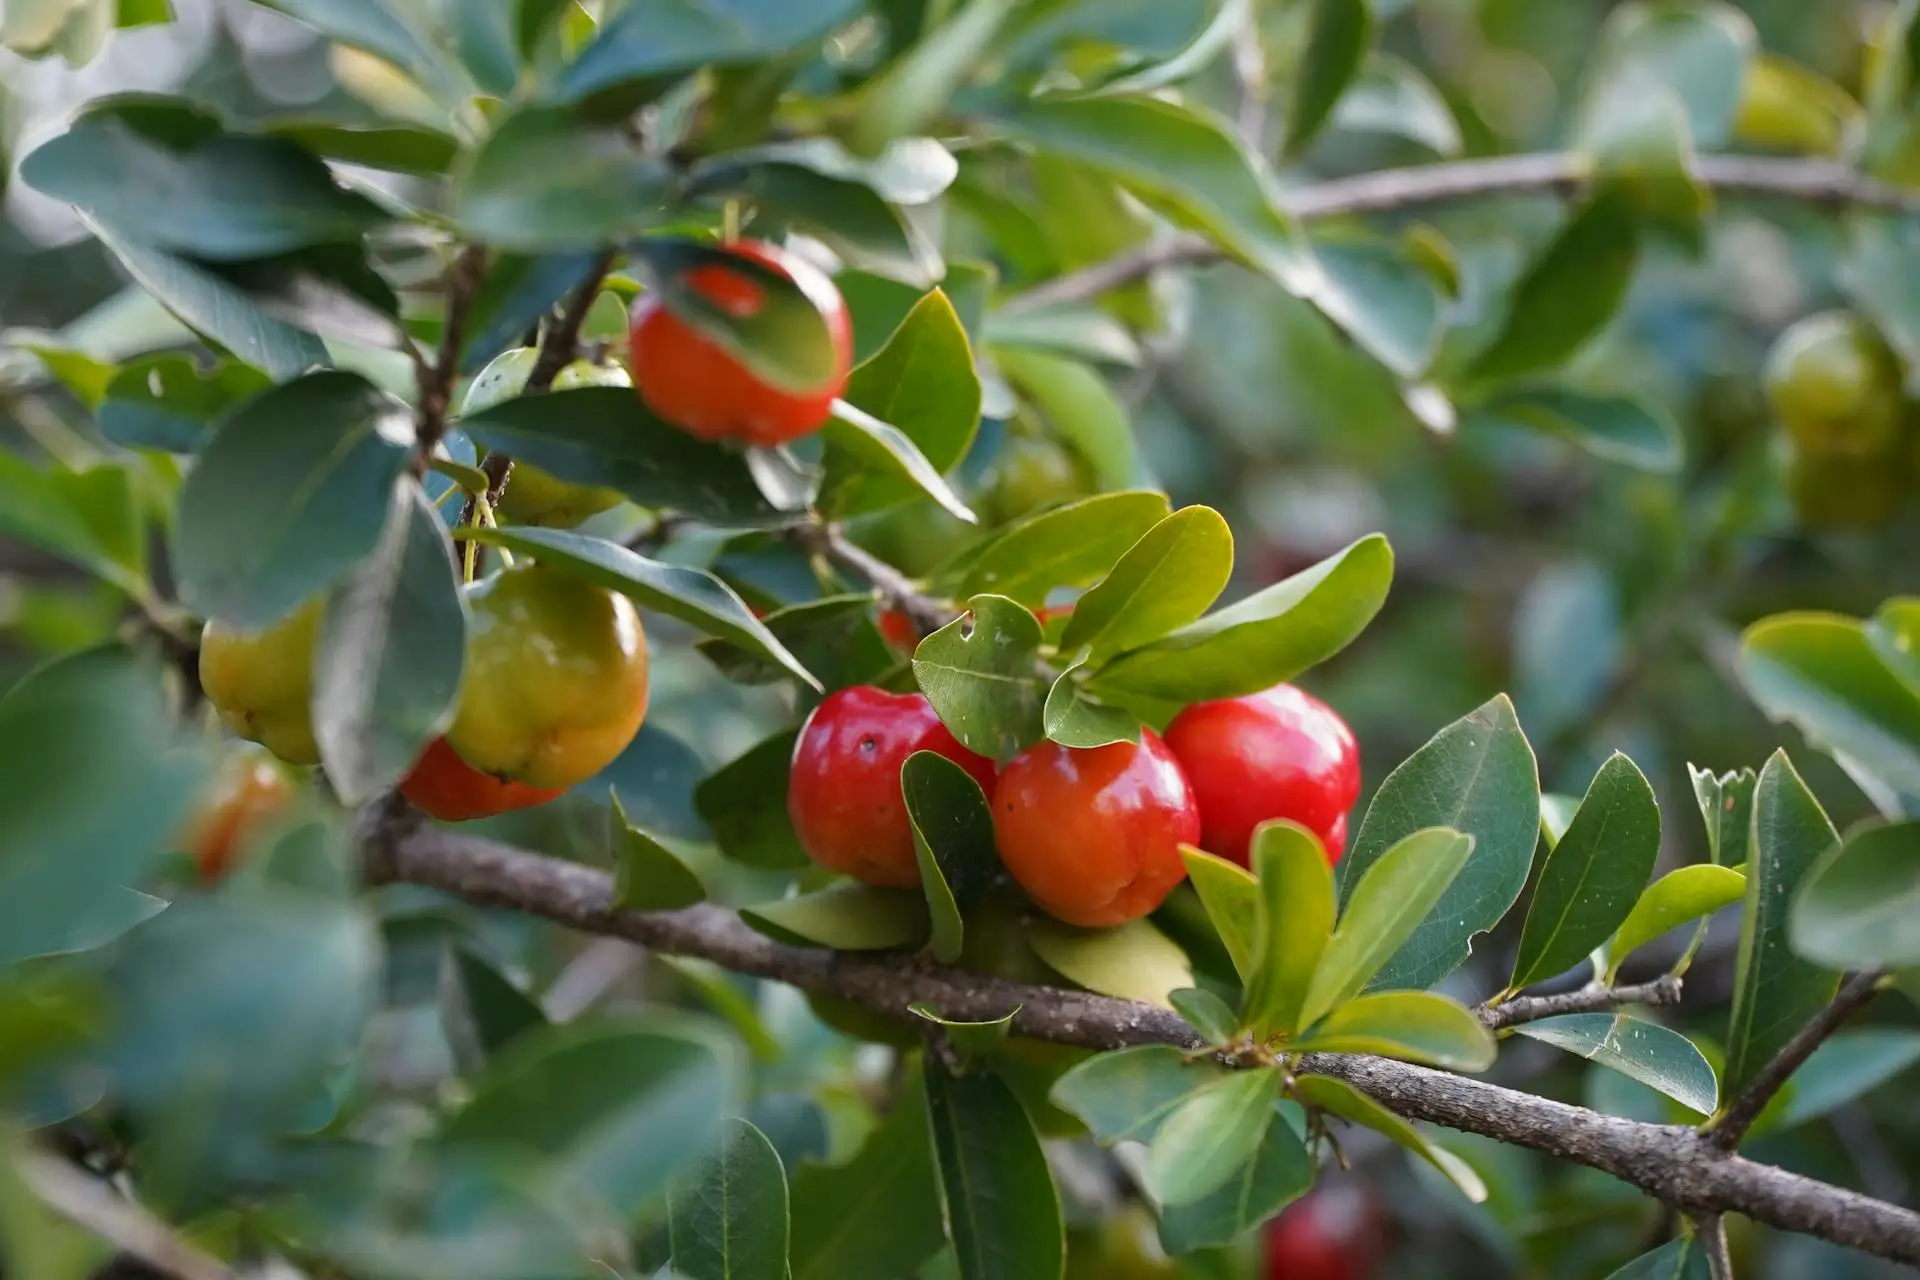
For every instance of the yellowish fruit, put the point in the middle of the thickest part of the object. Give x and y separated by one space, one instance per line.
261 683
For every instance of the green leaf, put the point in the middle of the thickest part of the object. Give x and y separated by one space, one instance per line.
1206 1013
694 596
480 1010
372 26
1593 876
1133 961
518 291
1189 163
1569 292
1383 296
1415 1026
1679 897
1859 907
1124 1095
1820 672
1340 32
883 449
977 1038
1211 1134
1387 905
1726 804
847 216
1073 719
391 650
729 1222
1281 1170
953 839
923 382
1568 644
914 88
1844 1068
548 179
1894 633
84 377
229 198
1876 273
1231 897
878 1214
833 637
290 494
1343 1100
1063 546
389 145
168 402
1002 1211
1272 635
1081 408
1774 991
1293 923
647 875
1644 149
1656 1056
744 804
606 436
782 339
910 170
978 672
624 1110
44 507
1699 51
1477 776
1675 1260
1391 96
1164 581
846 917
645 43
1611 428
1086 218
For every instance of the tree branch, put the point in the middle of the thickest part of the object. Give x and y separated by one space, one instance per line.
927 614
435 381
1726 1130
1593 998
1710 1231
1385 190
87 1202
1669 1162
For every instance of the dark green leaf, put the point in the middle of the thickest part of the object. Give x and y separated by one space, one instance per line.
1613 428
1775 991
1272 635
645 42
1416 1026
1063 546
1211 1134
327 289
486 38
1477 776
881 449
1081 408
1231 897
1281 1170
547 179
847 917
1343 1100
1163 582
1654 1055
480 1009
1726 803
834 637
978 672
1593 876
168 402
1293 923
1133 961
729 1222
914 88
1002 1211
744 802
648 876
1677 898
1124 1095
1859 907
1384 297
290 494
953 838
878 1214
1205 1012
398 148
1340 33
517 292
1072 719
1675 1260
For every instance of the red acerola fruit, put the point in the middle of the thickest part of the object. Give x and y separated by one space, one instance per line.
1332 1233
1279 753
843 793
450 789
1093 835
702 388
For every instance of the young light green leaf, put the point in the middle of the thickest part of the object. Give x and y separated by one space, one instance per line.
168 402
1231 897
1205 1012
1281 1170
1594 874
1079 404
729 1222
1341 30
1002 1210
1124 1095
1726 805
978 672
1679 897
1415 1026
41 507
1133 961
846 917
1163 582
1271 636
1073 719
1063 546
1210 1135
1656 1056
953 839
1477 776
883 449
1774 991
1894 633
648 876
1859 907
1381 913
1293 923
1339 1098
969 1037
744 804
879 1213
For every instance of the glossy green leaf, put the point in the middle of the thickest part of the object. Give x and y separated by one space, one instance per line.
1073 719
1656 1056
392 646
1002 1211
1124 1095
914 88
481 1011
833 637
1231 897
1679 897
290 494
1063 546
1343 1100
1080 406
1339 34
909 171
1271 636
1206 1013
1697 50
782 339
1726 805
729 1221
647 875
1843 1069
45 507
880 448
1775 991
1675 1260
878 1214
969 1037
1611 428
1569 292
744 804
549 179
624 1110
168 402
694 596
1281 1170
1293 923
1211 1134
1388 903
1859 907
1415 1026
1594 875
1477 776
1164 581
643 43
389 145
846 917
953 840
978 672
1133 961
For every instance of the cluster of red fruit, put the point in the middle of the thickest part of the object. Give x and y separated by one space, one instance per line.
1093 835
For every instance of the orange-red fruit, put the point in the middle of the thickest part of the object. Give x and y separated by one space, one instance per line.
1093 835
897 629
1279 753
452 790
844 790
700 387
1332 1233
249 791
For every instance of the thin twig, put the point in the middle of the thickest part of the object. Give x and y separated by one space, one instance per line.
1594 998
435 381
1725 1131
1710 1230
88 1202
1250 79
926 613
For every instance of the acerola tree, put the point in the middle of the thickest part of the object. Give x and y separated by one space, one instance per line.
698 476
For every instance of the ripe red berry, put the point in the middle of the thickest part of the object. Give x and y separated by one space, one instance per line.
1280 753
1331 1233
843 793
700 387
898 630
1093 835
450 789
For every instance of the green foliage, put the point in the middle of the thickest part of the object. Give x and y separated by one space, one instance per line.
1656 1056
729 1222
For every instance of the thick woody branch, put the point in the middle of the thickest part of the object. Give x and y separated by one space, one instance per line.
1594 998
90 1204
1671 1163
1732 1124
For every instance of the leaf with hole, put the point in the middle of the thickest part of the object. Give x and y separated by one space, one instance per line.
978 672
168 402
1726 805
